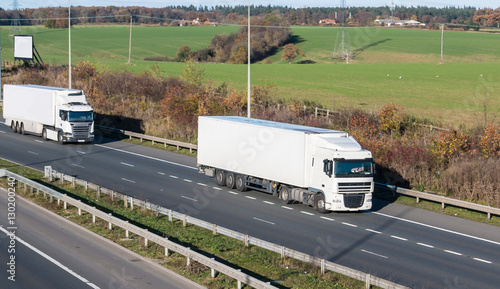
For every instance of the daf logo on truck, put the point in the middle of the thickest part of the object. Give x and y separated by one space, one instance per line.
323 168
55 113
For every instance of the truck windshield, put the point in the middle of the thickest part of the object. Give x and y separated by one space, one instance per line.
360 168
80 116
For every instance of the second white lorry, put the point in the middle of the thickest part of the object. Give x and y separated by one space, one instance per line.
319 167
59 114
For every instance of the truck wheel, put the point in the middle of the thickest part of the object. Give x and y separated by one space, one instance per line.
60 138
13 126
44 134
285 195
21 131
17 127
319 203
230 181
220 177
240 183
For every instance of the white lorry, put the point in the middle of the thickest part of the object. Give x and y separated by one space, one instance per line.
55 113
319 167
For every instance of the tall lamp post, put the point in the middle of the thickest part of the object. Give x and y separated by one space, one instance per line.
249 90
69 41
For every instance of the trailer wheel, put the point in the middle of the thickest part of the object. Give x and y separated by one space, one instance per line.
240 183
21 130
17 127
44 134
319 203
13 126
230 180
285 195
220 177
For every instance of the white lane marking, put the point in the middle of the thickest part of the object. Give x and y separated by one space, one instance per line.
144 156
348 224
307 213
251 198
425 245
328 219
200 184
2 131
78 166
80 152
234 193
375 254
191 199
160 173
217 188
267 202
34 153
437 228
373 231
173 177
55 262
482 260
264 221
399 238
186 180
453 252
127 180
288 208
126 164
39 141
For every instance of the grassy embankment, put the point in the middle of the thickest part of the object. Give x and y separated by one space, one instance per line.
393 65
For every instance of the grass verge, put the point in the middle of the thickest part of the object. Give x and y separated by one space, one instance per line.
260 263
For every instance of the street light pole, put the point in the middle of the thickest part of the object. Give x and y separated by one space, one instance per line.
249 90
69 41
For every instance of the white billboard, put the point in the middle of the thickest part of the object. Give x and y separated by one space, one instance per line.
23 47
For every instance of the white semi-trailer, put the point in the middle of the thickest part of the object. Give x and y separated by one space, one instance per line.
55 113
319 167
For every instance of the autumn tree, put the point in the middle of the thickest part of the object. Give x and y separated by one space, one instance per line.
183 53
290 52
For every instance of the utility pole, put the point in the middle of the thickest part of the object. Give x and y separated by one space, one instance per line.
442 42
130 43
392 13
249 89
342 48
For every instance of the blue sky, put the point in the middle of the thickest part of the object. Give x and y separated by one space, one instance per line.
7 4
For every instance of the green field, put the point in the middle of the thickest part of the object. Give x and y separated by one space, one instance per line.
392 65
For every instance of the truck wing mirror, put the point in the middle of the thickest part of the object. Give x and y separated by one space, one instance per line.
328 167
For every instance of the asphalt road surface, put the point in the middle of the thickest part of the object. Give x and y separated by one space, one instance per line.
413 247
52 252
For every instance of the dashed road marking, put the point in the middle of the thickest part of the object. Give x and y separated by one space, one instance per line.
80 152
328 219
127 164
160 173
288 208
425 245
453 252
231 192
251 198
33 153
267 202
201 184
191 199
174 177
78 166
37 140
217 188
307 213
260 220
127 180
349 224
188 181
482 260
399 238
373 231
375 254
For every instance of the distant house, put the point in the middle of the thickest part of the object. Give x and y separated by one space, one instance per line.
211 23
389 22
327 21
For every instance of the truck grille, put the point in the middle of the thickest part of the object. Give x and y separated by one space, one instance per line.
81 132
355 187
354 201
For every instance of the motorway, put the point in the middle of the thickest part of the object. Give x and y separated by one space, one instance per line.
52 252
409 246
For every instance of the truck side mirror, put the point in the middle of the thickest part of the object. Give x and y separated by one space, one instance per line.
328 167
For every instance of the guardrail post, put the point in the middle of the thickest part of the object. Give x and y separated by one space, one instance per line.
188 260
73 181
126 232
282 251
145 242
368 281
315 112
166 252
65 204
51 198
418 200
93 217
37 192
153 142
125 201
212 270
131 203
184 220
31 190
25 188
110 225
170 215
112 195
322 266
177 148
79 209
239 282
246 240
214 230
62 179
141 139
86 186
98 191
442 206
489 216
